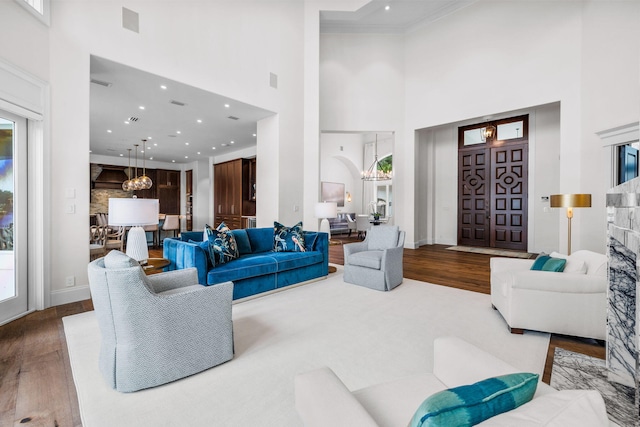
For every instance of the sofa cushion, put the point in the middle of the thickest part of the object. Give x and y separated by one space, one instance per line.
261 239
288 239
242 268
563 408
547 263
593 262
369 259
469 405
242 240
291 260
383 237
117 259
222 244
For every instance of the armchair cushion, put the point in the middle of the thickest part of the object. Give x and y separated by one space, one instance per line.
384 238
369 259
471 404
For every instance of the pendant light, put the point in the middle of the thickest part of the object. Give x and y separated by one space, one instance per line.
137 185
145 181
127 185
374 173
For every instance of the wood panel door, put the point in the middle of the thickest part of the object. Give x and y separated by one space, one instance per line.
509 182
473 197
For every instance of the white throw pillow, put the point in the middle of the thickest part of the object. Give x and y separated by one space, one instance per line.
573 265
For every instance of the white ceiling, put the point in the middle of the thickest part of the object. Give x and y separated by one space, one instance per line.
161 120
402 16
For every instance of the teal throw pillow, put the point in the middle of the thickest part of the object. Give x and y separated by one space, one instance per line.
469 405
288 239
222 244
547 263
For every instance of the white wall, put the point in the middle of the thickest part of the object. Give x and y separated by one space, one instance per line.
200 50
488 58
460 67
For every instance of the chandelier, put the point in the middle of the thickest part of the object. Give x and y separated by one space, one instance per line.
138 183
375 171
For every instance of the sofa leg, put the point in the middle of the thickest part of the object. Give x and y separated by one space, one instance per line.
516 331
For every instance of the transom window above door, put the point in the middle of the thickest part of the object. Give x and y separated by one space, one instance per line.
494 132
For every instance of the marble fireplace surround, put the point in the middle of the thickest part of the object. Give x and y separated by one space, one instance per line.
623 247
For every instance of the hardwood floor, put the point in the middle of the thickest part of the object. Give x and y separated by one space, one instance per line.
36 384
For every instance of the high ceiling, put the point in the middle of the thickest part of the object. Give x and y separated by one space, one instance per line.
389 16
172 131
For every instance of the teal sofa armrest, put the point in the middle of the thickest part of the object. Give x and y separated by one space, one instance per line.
321 244
186 255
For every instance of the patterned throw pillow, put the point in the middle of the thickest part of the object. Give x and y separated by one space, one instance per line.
288 239
469 405
222 244
547 263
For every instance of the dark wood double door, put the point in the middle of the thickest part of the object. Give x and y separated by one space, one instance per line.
492 196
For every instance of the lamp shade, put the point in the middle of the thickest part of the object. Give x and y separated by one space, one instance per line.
570 201
326 210
133 212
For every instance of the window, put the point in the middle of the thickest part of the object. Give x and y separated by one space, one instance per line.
39 8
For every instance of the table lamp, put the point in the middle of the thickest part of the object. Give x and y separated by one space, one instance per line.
326 210
135 213
570 201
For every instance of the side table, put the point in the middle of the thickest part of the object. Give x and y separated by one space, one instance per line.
155 265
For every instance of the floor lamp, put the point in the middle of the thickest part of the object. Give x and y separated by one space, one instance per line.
326 210
135 213
570 201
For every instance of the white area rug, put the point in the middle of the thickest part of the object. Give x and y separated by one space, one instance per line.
365 336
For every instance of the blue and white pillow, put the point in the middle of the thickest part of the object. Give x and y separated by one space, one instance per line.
288 239
222 244
469 405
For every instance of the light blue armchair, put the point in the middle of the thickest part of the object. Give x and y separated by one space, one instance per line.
376 262
160 328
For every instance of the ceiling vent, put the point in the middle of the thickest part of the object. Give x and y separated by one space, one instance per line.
233 118
101 83
133 119
178 103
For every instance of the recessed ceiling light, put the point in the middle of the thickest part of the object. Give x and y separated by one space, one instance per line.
90 151
226 105
186 143
141 107
387 7
148 148
121 155
163 87
198 153
126 122
149 137
254 135
155 144
142 151
173 161
150 158
178 132
199 121
233 142
108 130
186 157
213 148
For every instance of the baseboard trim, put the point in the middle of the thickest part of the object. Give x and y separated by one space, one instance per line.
66 296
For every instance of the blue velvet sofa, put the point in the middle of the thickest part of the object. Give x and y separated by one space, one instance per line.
258 269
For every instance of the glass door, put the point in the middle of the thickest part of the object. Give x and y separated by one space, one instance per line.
13 216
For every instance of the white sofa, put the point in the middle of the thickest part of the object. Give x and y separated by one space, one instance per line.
322 400
573 302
